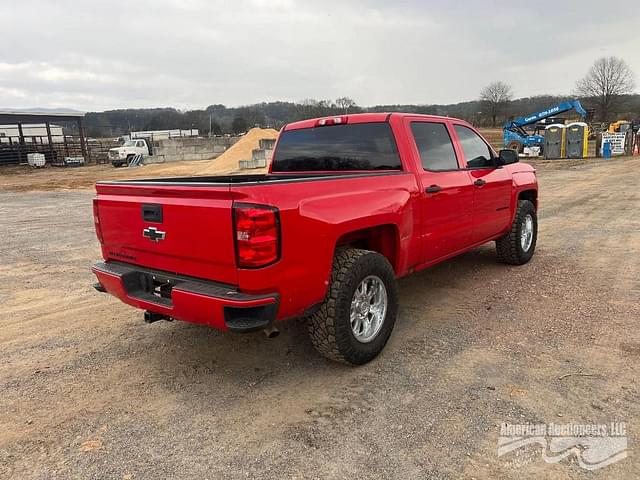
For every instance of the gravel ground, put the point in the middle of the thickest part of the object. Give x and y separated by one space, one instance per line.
90 391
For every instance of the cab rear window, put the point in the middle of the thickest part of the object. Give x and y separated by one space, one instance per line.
360 146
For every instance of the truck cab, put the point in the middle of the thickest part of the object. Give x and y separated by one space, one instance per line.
122 156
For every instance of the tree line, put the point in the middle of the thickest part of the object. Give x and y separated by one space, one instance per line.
215 119
606 90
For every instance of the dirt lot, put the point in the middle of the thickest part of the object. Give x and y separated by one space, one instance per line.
24 178
89 391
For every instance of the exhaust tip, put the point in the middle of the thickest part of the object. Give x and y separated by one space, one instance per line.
271 332
151 317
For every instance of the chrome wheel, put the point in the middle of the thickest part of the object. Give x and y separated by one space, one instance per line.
368 309
526 233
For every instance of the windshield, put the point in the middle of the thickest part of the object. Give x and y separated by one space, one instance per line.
129 143
360 146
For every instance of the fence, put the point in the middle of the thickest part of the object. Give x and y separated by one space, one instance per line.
157 135
55 149
98 149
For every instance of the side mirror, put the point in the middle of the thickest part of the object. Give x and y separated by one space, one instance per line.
507 156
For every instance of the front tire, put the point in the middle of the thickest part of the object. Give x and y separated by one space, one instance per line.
515 145
518 245
359 312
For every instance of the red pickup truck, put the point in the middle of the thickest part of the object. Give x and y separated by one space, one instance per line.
350 204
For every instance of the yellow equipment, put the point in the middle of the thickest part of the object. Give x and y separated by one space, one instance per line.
621 126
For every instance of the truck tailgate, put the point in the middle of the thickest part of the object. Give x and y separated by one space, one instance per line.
170 228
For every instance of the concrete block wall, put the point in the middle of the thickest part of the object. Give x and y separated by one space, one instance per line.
261 154
189 148
247 164
260 157
267 143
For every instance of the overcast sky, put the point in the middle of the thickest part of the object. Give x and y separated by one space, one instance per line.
95 55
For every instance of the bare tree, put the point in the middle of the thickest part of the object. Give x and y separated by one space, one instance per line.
345 103
496 97
607 79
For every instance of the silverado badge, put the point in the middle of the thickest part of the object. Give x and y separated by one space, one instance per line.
153 234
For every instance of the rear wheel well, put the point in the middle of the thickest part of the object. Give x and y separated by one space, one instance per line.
531 195
382 239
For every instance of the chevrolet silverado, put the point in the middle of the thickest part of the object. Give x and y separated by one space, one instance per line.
350 204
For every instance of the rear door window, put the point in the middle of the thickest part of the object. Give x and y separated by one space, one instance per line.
359 146
434 145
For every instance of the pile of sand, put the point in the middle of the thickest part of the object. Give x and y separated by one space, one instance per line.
241 150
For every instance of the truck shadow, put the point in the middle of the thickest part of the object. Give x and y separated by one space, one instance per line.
247 358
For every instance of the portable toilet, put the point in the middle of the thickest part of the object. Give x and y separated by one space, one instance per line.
577 140
554 141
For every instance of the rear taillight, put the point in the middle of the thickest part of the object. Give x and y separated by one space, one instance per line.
257 235
96 220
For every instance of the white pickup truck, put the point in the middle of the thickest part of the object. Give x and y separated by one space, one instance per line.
121 156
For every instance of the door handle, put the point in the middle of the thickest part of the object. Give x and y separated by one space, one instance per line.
479 182
433 189
152 213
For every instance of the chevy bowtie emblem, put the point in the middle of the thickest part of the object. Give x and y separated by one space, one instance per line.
153 234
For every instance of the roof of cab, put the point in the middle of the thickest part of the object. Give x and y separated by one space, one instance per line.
359 118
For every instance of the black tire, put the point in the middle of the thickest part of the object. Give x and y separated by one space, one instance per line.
330 326
509 247
128 160
515 145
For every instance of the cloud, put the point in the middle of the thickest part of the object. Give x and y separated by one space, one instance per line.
192 53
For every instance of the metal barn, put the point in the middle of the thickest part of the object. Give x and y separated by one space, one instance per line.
59 136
